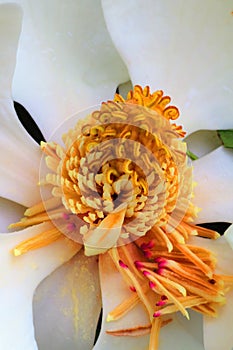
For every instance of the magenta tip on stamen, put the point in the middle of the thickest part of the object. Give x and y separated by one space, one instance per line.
65 216
122 264
162 263
160 271
164 297
152 284
149 245
157 314
138 264
161 303
132 288
147 254
146 273
160 260
70 226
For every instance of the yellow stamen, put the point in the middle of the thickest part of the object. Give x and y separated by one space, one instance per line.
159 286
195 259
41 240
154 336
123 308
187 302
48 204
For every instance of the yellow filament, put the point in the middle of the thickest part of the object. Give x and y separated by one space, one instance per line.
188 302
48 204
195 259
164 291
154 335
123 308
41 240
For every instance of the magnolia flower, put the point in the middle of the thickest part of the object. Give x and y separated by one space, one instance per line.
65 72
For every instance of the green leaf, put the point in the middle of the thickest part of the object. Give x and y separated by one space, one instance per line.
226 137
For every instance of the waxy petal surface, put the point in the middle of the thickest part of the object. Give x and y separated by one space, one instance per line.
19 156
182 48
18 280
9 212
67 305
66 60
214 191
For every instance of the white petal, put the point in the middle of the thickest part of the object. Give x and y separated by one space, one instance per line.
19 276
182 47
9 212
114 291
203 142
182 334
67 306
66 60
218 332
229 236
19 156
214 191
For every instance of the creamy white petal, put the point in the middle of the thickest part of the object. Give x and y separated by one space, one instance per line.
9 212
182 47
19 276
218 332
19 156
203 142
67 306
66 60
229 235
182 334
214 191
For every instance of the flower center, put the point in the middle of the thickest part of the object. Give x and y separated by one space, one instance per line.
123 168
122 187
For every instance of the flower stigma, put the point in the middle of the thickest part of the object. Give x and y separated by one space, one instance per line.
121 186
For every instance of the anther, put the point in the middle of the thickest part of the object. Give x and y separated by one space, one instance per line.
122 264
149 245
71 226
139 265
152 284
161 303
